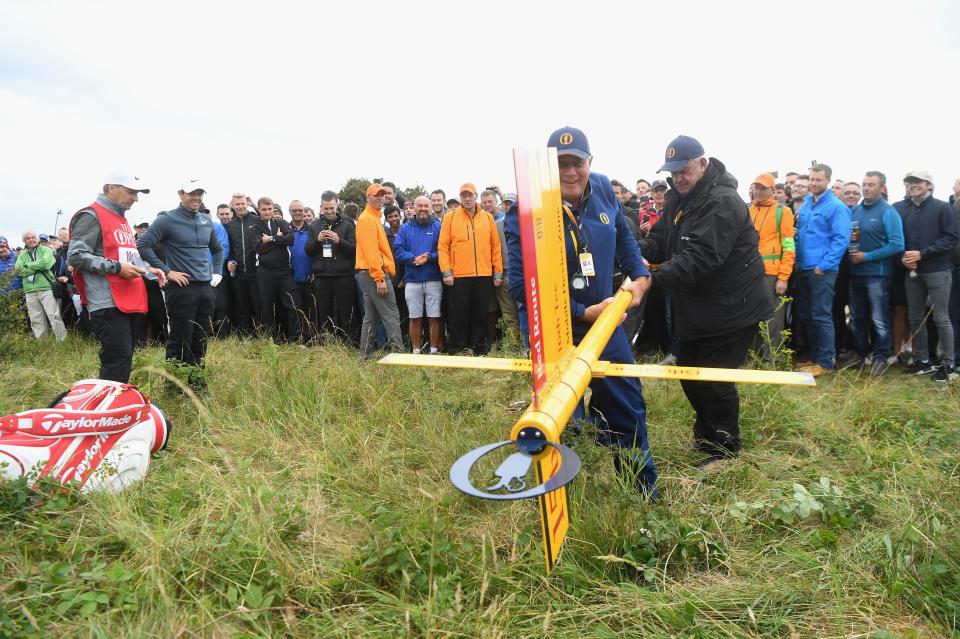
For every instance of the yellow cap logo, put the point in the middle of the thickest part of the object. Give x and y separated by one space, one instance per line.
566 138
671 152
604 218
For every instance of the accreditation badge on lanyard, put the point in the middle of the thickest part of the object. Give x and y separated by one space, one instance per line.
586 264
586 257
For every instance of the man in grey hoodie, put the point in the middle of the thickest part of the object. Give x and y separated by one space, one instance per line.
178 242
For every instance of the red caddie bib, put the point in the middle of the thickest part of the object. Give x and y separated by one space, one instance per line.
120 245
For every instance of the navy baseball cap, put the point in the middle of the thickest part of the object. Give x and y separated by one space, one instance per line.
570 141
679 152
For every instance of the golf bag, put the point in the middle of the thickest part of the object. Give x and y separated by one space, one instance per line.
98 436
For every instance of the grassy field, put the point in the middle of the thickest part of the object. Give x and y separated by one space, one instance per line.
308 496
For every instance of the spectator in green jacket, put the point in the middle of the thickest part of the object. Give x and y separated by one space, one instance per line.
34 264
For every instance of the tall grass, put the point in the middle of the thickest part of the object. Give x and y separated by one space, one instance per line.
307 495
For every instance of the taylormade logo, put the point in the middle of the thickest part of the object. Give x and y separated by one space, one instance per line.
67 425
86 463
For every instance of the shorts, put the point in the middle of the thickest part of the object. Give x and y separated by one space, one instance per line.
423 296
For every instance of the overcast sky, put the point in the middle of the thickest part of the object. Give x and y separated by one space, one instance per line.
290 99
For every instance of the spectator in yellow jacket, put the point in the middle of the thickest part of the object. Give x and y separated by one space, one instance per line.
775 226
470 259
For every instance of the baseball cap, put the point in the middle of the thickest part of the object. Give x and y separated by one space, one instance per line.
919 175
509 197
570 141
189 186
468 187
142 224
3 242
128 180
44 237
681 150
766 179
453 202
375 189
659 184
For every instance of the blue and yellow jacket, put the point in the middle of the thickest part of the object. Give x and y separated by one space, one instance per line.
604 233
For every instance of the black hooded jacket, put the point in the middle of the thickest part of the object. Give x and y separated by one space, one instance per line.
707 248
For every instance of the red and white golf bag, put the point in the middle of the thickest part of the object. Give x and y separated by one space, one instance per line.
98 435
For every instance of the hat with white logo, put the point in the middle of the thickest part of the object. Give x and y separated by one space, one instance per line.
127 180
189 186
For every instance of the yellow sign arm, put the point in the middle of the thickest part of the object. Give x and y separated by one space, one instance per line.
610 369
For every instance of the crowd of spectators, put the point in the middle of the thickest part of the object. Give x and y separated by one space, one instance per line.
860 276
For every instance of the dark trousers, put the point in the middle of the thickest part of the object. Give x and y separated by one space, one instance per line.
246 302
335 303
153 325
308 311
116 332
469 298
654 335
955 311
716 404
189 313
277 285
620 414
870 315
842 336
223 308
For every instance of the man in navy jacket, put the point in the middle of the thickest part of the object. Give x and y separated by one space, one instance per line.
183 243
617 405
930 236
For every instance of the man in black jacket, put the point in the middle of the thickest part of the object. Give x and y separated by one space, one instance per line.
242 264
274 275
706 247
333 246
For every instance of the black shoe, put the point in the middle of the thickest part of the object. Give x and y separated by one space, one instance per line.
712 459
945 374
878 368
849 360
920 368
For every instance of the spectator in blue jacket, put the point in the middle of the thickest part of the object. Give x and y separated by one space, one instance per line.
823 234
416 248
223 307
302 265
7 260
930 236
876 242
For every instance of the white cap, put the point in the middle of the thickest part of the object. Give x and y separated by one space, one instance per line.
191 185
127 180
919 175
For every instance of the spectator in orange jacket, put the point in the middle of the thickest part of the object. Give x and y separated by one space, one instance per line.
470 258
774 224
375 268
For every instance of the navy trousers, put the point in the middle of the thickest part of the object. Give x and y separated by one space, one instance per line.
618 410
